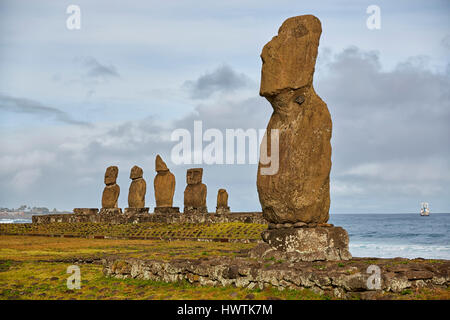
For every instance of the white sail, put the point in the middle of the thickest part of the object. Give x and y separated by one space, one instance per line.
424 211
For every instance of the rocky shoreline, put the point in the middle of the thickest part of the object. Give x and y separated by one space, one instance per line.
339 279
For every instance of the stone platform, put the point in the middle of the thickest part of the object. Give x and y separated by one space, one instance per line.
120 218
195 210
304 244
132 211
167 210
346 279
222 210
85 210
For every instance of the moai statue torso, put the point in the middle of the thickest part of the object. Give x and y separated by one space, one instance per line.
222 202
112 190
164 184
138 188
299 191
195 192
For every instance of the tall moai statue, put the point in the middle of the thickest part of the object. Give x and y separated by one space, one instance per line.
164 185
295 197
222 202
111 192
136 193
195 192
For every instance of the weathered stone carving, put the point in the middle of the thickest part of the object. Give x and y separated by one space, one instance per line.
138 188
295 200
222 202
195 192
136 192
164 185
112 190
299 191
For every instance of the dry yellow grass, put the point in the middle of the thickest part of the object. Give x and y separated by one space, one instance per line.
35 268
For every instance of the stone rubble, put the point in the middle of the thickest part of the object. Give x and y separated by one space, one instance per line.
347 279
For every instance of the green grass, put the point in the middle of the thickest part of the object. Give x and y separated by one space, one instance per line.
24 275
34 267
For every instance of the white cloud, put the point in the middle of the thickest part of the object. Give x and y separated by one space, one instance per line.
390 147
25 179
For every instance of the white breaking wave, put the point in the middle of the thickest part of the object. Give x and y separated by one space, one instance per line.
410 251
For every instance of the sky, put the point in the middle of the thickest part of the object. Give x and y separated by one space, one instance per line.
73 102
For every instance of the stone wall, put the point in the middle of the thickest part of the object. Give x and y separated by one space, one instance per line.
246 217
339 279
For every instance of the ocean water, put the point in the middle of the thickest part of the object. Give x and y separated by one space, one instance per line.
397 235
387 235
5 220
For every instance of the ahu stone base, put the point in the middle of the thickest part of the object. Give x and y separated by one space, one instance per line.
85 210
195 210
304 244
136 210
110 211
167 210
222 210
116 217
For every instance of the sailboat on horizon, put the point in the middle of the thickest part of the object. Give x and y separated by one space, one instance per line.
424 211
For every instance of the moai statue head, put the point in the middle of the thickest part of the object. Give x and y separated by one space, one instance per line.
289 59
160 165
136 173
111 175
194 176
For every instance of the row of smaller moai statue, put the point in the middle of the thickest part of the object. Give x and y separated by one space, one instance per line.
164 187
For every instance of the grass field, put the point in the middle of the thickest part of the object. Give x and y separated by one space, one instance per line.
33 267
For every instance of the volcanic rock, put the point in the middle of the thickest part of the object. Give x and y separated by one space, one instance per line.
164 185
138 188
195 192
222 202
300 189
112 190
